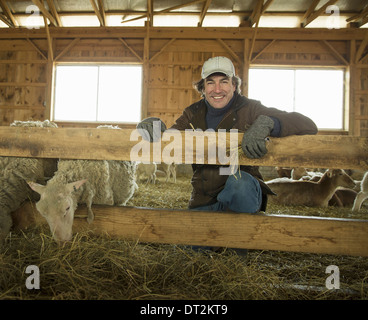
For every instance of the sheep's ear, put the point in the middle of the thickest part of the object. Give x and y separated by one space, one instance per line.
74 186
39 188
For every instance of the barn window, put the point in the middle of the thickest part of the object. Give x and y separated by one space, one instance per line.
98 93
316 93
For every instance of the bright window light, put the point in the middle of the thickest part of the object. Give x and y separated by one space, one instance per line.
316 93
98 93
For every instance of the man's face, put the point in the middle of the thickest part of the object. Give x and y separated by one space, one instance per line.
218 90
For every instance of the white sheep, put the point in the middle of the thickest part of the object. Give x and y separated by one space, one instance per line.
309 193
83 182
170 170
148 170
14 171
362 194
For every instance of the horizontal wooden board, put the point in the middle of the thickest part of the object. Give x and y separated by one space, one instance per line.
319 151
249 231
232 230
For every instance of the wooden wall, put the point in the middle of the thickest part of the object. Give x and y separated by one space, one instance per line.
171 62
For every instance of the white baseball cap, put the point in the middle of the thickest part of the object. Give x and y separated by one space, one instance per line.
218 64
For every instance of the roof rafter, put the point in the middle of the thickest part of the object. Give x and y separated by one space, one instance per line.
205 7
360 18
45 12
312 15
54 12
165 10
7 16
99 11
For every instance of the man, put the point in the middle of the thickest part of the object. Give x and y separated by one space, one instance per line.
223 107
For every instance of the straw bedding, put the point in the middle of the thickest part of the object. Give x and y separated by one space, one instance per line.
100 267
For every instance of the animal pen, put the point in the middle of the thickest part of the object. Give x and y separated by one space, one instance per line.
267 232
171 58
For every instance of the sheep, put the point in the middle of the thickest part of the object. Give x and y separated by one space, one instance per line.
83 182
343 197
170 170
148 170
362 194
283 172
309 193
303 174
14 171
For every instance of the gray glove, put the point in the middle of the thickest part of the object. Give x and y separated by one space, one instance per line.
150 129
254 139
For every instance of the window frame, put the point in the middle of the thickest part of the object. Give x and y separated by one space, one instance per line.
345 94
97 64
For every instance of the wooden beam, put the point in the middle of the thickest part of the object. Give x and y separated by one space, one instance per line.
150 12
358 16
37 48
45 12
7 13
231 52
54 12
67 48
98 12
49 41
202 15
188 33
102 11
130 49
361 48
249 231
310 10
263 50
165 10
162 49
346 152
334 52
317 13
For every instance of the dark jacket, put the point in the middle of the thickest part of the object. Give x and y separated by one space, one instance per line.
206 180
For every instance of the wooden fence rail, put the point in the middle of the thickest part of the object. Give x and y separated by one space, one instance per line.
260 231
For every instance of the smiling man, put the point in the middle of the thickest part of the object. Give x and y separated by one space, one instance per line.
223 107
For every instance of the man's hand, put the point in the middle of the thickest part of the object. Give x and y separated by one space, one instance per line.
151 128
254 139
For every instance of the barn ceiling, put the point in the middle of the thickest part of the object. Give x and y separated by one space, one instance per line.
225 13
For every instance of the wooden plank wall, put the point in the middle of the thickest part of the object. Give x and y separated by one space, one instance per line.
171 62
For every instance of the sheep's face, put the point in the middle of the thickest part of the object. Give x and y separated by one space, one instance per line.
57 204
343 179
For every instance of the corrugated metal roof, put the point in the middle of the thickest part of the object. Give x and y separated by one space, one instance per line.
13 10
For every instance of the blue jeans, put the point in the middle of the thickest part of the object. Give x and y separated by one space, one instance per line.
242 193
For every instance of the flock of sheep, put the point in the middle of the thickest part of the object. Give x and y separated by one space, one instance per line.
298 186
59 186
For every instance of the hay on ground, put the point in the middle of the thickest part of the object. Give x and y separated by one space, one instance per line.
101 267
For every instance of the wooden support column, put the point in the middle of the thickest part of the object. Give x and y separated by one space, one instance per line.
146 72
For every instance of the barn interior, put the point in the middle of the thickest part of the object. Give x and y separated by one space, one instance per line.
85 63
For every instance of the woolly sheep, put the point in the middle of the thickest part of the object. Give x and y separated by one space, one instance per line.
14 171
148 170
309 193
169 170
362 194
83 182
